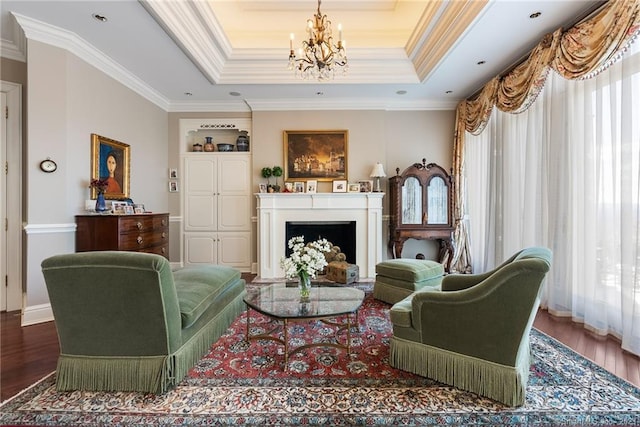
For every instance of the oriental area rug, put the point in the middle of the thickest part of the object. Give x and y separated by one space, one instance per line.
240 383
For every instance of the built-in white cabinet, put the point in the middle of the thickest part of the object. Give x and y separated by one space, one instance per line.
216 195
228 248
217 204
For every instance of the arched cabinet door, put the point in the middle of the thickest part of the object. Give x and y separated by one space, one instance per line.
421 208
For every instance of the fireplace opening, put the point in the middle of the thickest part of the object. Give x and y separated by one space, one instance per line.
339 233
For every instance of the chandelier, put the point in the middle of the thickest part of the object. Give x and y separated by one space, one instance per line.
319 57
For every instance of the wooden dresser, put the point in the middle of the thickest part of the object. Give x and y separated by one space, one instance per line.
138 233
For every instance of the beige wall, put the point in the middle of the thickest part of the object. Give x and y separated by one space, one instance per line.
397 139
68 100
393 138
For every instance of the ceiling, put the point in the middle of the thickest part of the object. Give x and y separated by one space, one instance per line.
197 55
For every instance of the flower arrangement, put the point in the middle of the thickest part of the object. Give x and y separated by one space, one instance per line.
305 260
99 184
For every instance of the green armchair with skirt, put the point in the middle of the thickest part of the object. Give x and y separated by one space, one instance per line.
474 333
126 322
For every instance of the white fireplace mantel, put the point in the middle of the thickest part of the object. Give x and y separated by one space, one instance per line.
276 209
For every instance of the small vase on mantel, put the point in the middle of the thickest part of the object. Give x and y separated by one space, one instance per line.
304 285
101 203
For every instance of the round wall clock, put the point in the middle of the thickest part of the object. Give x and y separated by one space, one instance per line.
48 166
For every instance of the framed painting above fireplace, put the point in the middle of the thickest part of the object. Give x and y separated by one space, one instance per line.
315 155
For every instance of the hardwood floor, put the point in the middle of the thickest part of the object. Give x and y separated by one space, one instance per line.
604 351
31 352
26 354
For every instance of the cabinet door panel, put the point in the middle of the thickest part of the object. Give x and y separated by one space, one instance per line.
231 212
235 249
200 176
200 248
201 213
234 176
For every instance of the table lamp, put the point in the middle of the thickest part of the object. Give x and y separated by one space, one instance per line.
377 173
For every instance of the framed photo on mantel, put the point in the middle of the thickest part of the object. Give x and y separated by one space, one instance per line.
315 155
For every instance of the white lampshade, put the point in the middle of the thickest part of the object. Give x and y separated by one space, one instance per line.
378 171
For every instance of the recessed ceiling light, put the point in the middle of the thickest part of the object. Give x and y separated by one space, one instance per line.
481 62
401 92
188 93
100 18
535 15
235 93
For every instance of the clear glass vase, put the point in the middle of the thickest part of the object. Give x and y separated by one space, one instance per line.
304 285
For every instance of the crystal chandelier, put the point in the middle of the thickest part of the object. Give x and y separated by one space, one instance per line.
319 57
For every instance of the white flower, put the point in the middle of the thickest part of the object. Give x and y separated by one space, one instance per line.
305 260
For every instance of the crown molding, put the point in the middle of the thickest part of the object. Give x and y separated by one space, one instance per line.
439 29
269 66
16 48
249 105
54 36
348 104
206 107
195 29
10 50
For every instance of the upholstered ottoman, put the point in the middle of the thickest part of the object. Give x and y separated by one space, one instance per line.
399 278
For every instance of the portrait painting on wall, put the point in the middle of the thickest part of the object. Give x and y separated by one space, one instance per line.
110 161
315 155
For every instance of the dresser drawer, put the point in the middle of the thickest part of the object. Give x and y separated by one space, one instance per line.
135 241
141 223
159 250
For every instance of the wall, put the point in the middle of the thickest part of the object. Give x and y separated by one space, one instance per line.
394 138
68 100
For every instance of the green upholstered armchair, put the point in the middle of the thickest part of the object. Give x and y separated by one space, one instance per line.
474 333
126 322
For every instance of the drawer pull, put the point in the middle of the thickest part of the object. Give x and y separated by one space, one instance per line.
139 225
164 222
164 235
163 249
139 239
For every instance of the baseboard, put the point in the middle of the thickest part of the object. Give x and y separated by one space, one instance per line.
37 314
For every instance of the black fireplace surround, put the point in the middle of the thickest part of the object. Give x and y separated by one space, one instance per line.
339 233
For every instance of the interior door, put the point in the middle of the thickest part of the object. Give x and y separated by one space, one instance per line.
11 196
3 204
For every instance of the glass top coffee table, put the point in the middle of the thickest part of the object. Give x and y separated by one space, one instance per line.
281 303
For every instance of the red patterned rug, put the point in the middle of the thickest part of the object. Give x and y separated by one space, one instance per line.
233 359
240 383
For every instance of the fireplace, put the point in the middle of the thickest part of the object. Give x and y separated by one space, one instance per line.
275 210
339 233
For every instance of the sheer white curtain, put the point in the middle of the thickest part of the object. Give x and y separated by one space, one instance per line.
565 174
